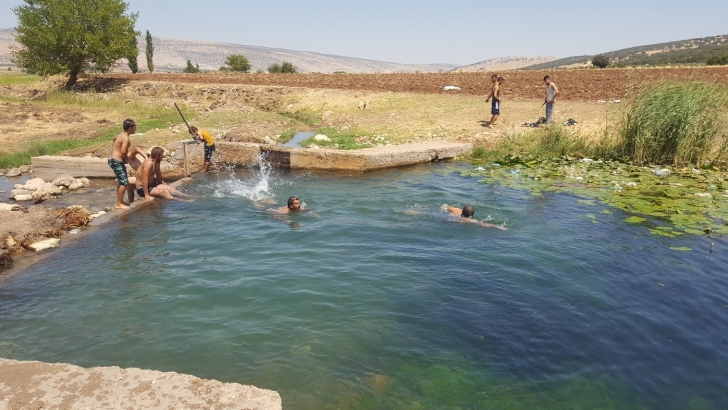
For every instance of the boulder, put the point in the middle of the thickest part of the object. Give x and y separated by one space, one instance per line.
64 180
22 198
75 185
321 137
24 169
84 181
16 192
18 186
46 244
13 172
34 184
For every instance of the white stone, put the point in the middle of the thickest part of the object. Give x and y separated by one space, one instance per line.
703 195
661 172
6 207
23 198
34 184
321 137
46 244
65 180
451 88
13 172
24 169
84 181
76 185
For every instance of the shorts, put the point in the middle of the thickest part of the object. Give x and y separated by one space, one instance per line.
495 108
208 152
119 169
140 190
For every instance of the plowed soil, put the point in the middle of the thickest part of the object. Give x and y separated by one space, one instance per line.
575 85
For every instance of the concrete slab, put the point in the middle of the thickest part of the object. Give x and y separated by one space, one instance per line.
36 385
49 167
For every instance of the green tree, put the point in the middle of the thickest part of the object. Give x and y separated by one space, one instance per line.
132 58
237 63
150 52
718 60
600 61
72 37
286 68
191 68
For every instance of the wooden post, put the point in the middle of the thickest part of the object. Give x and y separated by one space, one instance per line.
187 160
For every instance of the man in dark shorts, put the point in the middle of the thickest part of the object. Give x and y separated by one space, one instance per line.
495 95
120 155
209 144
150 178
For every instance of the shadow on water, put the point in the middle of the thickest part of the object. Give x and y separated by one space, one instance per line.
383 301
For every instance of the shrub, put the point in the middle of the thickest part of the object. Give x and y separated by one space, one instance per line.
718 60
673 122
600 61
191 68
286 68
237 63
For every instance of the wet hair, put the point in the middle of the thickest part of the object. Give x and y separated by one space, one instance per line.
193 128
157 152
546 77
128 124
501 79
291 199
468 211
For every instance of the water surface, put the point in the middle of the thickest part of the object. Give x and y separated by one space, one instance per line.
383 301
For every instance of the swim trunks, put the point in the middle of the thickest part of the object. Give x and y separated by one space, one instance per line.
495 109
208 152
119 169
140 190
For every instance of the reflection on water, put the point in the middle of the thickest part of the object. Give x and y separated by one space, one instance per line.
383 301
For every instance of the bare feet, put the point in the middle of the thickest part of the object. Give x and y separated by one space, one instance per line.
491 126
122 206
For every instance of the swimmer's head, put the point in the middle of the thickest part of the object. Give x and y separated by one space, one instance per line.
468 212
294 204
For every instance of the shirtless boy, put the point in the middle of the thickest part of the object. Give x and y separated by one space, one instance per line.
294 205
120 155
150 175
551 93
466 215
495 95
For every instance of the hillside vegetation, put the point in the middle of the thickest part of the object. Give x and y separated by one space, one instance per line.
695 51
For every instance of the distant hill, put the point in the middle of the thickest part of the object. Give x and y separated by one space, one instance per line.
504 63
694 51
172 55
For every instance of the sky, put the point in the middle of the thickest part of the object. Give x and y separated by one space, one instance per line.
427 31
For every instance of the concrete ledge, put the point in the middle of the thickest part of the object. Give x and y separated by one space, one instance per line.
49 167
36 385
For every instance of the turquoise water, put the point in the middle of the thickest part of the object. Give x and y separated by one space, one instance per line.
382 301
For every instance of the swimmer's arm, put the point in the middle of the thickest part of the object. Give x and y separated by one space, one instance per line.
311 212
487 225
453 210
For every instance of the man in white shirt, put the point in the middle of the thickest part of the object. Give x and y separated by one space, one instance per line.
551 93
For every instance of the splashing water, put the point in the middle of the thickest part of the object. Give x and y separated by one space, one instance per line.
257 188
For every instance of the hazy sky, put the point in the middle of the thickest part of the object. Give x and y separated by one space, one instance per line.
428 31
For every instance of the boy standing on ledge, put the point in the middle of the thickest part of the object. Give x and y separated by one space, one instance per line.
117 161
209 144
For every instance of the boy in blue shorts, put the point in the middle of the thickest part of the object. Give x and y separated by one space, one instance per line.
120 155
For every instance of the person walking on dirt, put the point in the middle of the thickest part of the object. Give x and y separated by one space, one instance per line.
209 144
117 161
551 93
495 95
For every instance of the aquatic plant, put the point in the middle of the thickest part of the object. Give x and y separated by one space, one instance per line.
674 122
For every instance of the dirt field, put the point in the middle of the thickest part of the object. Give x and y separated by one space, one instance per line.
575 85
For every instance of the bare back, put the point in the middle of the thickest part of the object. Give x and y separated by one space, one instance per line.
120 147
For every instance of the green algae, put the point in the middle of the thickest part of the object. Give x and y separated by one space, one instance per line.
688 200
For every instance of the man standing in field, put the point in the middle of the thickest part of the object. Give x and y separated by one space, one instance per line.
117 161
209 144
551 93
495 95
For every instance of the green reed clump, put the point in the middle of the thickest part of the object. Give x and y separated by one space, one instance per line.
557 141
674 122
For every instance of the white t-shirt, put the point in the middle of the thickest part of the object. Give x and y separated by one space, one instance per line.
550 92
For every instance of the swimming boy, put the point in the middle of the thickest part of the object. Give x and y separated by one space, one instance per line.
294 205
209 144
551 93
150 176
466 215
120 155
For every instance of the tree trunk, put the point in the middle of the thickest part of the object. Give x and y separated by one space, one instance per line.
72 78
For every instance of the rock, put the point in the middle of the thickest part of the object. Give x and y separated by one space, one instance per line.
65 180
34 184
24 169
84 181
46 244
661 172
703 195
451 88
321 137
363 105
269 140
76 185
13 172
16 192
6 207
10 242
23 198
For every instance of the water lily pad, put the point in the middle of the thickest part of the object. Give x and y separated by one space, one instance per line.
680 248
634 220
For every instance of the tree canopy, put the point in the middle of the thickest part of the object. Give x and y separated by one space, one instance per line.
150 52
72 37
236 63
133 63
600 61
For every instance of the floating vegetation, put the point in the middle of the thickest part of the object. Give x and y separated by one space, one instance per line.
685 200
